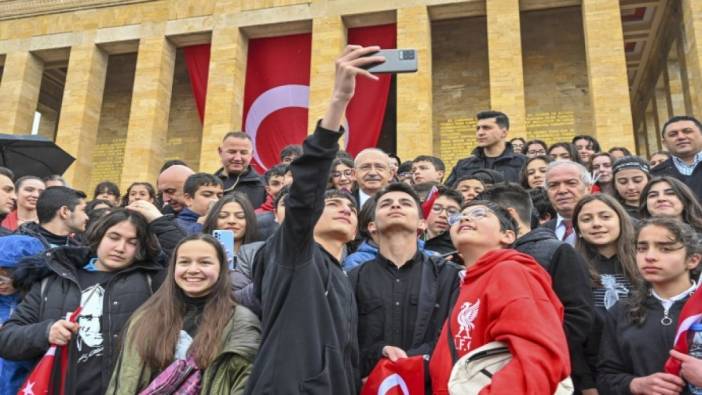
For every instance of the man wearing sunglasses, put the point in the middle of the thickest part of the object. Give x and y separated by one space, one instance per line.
403 295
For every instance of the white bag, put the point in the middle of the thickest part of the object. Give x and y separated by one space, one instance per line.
474 371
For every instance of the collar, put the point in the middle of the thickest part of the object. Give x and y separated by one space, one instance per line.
677 297
408 265
679 162
559 221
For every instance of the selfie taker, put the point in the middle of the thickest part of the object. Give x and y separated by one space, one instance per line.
308 305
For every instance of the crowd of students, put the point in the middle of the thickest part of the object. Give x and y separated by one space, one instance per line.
578 259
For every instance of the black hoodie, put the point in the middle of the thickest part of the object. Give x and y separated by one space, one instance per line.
571 284
309 315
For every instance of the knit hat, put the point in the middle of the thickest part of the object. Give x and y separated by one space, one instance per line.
630 162
15 247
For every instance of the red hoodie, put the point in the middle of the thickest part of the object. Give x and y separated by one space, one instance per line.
266 206
507 296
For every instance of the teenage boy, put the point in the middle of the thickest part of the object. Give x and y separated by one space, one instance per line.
437 237
308 309
201 191
505 296
427 168
568 271
403 295
275 181
62 218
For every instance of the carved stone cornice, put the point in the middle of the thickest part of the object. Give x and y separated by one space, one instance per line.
14 9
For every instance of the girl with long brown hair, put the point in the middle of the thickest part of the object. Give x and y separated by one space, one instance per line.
606 241
191 316
639 333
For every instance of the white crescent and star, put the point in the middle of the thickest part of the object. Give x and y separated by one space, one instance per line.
272 100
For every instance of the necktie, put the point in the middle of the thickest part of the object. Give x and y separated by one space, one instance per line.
568 229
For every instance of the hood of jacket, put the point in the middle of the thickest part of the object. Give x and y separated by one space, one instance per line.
493 258
536 235
188 215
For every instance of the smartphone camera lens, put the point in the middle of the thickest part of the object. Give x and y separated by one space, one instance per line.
407 55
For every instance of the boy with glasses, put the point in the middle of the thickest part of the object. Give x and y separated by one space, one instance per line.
505 296
436 236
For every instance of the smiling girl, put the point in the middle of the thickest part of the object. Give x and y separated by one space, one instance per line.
669 197
233 212
639 333
191 316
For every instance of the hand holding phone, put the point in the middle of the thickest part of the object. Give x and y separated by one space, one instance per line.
396 61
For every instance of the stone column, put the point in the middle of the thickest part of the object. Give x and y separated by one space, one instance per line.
607 74
19 90
675 86
80 111
692 22
414 90
505 63
148 117
224 104
328 40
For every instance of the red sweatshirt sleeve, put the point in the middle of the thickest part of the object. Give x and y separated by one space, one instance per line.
532 327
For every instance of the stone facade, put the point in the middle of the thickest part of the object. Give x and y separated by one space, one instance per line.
556 67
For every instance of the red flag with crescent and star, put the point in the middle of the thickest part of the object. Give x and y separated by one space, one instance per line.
402 377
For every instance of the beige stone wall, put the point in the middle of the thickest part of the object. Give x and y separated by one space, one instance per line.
114 118
184 126
460 84
555 75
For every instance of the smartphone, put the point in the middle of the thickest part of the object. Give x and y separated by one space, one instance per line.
396 61
226 239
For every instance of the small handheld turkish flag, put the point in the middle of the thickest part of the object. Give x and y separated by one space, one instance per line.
691 313
402 377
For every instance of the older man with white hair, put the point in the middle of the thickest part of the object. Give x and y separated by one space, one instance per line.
373 173
566 183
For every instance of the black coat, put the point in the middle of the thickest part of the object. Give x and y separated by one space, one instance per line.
309 314
249 183
571 283
509 163
25 335
628 351
438 288
694 181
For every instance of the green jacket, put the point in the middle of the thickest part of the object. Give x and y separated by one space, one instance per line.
228 373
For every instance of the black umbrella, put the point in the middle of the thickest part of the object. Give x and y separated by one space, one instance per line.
32 155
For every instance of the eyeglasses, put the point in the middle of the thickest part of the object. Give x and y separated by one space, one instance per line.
476 214
338 174
536 152
437 208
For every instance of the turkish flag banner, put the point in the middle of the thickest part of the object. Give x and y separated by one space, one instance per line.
690 314
276 95
402 377
366 111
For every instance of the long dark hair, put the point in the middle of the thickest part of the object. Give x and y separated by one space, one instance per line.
155 327
251 232
148 248
625 242
523 176
568 147
692 210
682 233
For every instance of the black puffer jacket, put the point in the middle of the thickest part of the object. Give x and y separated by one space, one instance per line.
509 163
693 181
25 335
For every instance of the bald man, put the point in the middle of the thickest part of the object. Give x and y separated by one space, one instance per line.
170 184
373 172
